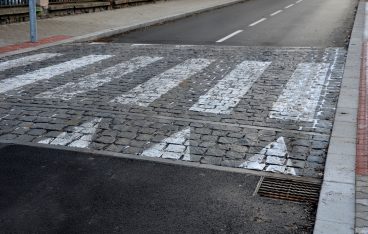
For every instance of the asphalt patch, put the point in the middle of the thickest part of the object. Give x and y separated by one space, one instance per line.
57 191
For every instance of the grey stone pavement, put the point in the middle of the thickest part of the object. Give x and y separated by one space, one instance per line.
75 95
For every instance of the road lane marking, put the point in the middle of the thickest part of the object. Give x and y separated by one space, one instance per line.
87 83
81 136
289 6
146 93
229 36
227 93
276 12
48 72
174 147
274 157
257 22
26 60
141 44
299 1
299 99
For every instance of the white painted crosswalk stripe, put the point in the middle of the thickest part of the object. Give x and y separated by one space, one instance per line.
174 147
146 93
299 99
48 72
81 136
95 80
26 60
226 94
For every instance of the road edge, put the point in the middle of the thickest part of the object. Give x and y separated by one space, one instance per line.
336 207
113 31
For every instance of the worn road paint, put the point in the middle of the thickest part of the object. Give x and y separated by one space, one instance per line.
229 36
146 93
48 72
174 147
299 99
26 60
299 1
81 136
87 83
274 158
257 22
276 12
227 93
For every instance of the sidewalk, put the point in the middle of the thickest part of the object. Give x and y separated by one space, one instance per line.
343 203
101 24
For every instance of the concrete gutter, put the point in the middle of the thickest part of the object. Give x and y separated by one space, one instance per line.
336 208
113 31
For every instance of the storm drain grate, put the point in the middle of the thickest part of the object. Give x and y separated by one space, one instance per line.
292 190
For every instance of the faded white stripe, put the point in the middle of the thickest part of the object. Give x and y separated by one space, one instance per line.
81 136
257 22
289 6
226 94
95 80
154 88
48 72
26 60
276 12
299 99
229 36
174 147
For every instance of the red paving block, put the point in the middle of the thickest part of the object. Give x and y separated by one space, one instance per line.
25 45
362 130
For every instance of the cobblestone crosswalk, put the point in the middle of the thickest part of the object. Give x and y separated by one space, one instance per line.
255 108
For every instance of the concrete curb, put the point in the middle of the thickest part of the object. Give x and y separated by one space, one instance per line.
336 207
113 31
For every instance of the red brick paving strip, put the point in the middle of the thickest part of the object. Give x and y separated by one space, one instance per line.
362 133
33 44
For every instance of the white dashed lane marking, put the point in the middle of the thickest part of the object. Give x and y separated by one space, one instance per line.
276 12
289 6
257 22
48 72
95 80
81 136
299 99
146 93
26 60
229 36
226 94
299 1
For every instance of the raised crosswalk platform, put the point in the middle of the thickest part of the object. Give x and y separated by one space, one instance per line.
266 109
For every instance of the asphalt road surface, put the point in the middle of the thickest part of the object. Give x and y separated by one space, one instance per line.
258 23
54 191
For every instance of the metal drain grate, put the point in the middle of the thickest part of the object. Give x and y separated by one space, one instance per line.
292 190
